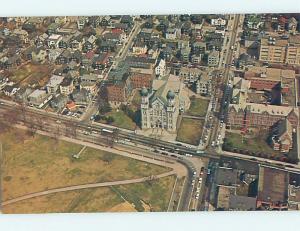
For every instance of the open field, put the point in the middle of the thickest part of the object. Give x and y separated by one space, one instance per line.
257 146
198 107
190 131
138 197
156 194
33 164
86 200
121 120
30 74
254 144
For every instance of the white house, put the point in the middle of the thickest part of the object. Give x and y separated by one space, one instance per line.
160 69
54 40
218 22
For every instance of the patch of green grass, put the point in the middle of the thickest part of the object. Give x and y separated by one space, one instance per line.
155 193
121 120
255 144
198 107
38 163
190 131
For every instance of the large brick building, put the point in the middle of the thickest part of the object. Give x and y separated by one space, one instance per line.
245 114
118 86
140 77
260 115
263 78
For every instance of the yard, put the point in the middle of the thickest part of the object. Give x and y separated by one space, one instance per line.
33 164
198 107
190 131
125 198
121 120
31 74
257 144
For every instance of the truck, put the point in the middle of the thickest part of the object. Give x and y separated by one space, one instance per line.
200 152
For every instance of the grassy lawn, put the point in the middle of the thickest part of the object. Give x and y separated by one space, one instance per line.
198 107
255 144
86 200
138 197
31 74
121 120
33 164
190 131
156 194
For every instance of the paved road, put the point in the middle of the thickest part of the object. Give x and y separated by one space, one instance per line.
85 186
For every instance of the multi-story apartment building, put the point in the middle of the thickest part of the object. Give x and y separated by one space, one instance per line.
213 58
275 50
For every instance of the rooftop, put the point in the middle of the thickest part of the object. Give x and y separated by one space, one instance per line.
272 185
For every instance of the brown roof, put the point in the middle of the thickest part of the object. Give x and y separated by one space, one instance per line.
272 185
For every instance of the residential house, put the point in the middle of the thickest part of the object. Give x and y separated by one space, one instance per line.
3 81
52 28
53 84
292 25
54 54
53 41
21 95
189 75
81 21
76 41
199 47
89 43
39 55
100 61
9 90
64 57
59 102
160 68
37 97
218 22
81 96
139 48
185 54
172 33
66 86
204 85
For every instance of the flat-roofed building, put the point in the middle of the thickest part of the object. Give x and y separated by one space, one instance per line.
278 50
140 77
272 189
